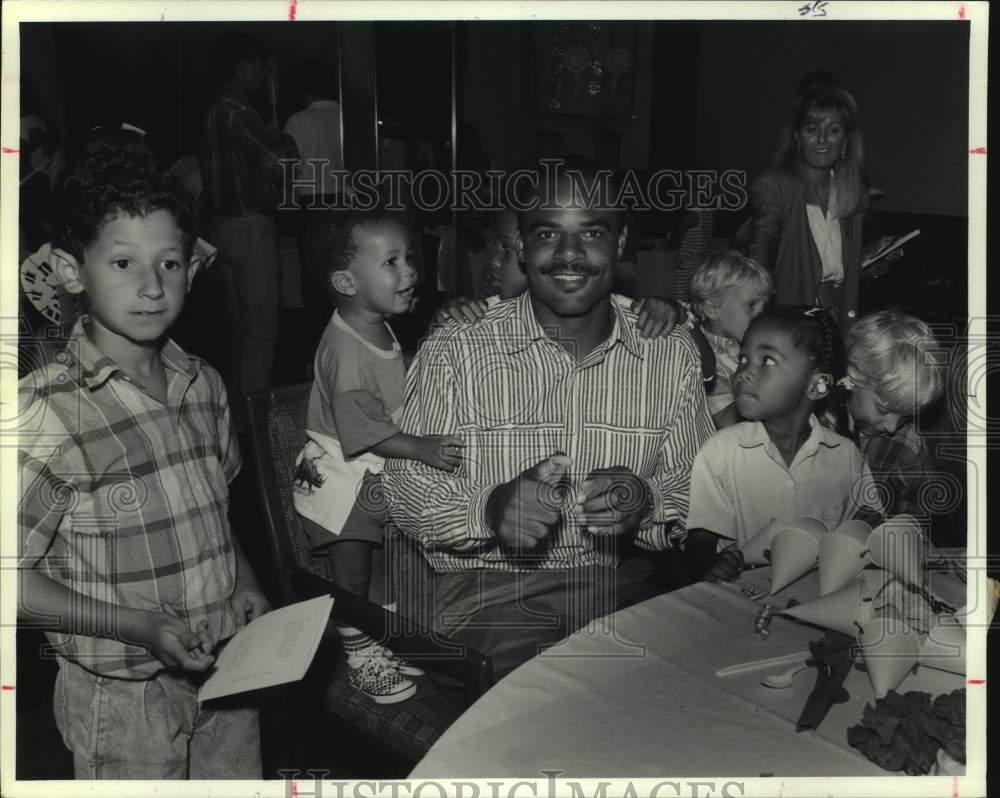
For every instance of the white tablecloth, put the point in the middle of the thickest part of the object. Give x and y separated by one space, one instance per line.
636 695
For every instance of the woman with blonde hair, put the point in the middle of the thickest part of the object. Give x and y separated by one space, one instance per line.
808 210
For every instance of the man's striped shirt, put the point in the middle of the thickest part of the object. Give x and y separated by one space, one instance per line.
516 396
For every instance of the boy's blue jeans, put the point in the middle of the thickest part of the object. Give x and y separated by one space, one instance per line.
154 729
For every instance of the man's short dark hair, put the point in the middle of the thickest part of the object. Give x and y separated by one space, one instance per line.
583 172
113 179
232 49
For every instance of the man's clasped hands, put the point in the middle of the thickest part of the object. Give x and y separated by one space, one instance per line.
524 512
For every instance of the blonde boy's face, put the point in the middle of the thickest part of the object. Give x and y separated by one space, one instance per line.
135 275
382 273
737 308
871 415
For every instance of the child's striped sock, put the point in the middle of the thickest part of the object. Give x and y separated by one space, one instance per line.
406 667
356 643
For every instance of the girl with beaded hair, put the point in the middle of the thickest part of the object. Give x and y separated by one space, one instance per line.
782 463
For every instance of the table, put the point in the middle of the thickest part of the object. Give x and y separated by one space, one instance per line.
636 694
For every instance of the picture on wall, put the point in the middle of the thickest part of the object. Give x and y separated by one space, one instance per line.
582 68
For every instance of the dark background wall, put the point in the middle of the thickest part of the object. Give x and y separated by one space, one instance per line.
155 75
717 94
159 76
910 80
706 94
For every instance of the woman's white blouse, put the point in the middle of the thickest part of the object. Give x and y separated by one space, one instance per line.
825 229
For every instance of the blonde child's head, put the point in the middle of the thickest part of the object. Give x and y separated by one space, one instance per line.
896 369
729 291
365 260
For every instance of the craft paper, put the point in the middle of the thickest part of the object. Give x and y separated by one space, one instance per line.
794 552
890 649
844 610
899 546
841 558
754 549
857 529
945 646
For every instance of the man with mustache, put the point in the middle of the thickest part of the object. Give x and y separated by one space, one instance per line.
579 441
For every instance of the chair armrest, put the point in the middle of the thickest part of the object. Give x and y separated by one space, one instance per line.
403 635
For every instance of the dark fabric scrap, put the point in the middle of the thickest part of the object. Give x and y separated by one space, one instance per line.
904 732
832 655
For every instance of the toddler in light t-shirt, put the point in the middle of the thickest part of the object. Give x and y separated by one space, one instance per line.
351 423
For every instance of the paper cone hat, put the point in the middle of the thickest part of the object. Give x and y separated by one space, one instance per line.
874 581
753 550
794 552
890 649
908 605
814 526
856 529
945 647
841 559
843 610
899 546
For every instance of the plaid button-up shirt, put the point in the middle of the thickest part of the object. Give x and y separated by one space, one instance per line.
904 469
124 499
240 159
516 396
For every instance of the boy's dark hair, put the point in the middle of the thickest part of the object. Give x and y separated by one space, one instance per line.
109 180
331 240
232 49
814 332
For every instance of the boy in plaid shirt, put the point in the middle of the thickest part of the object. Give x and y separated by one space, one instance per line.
125 456
894 371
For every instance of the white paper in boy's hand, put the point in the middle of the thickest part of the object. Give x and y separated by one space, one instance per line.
275 648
